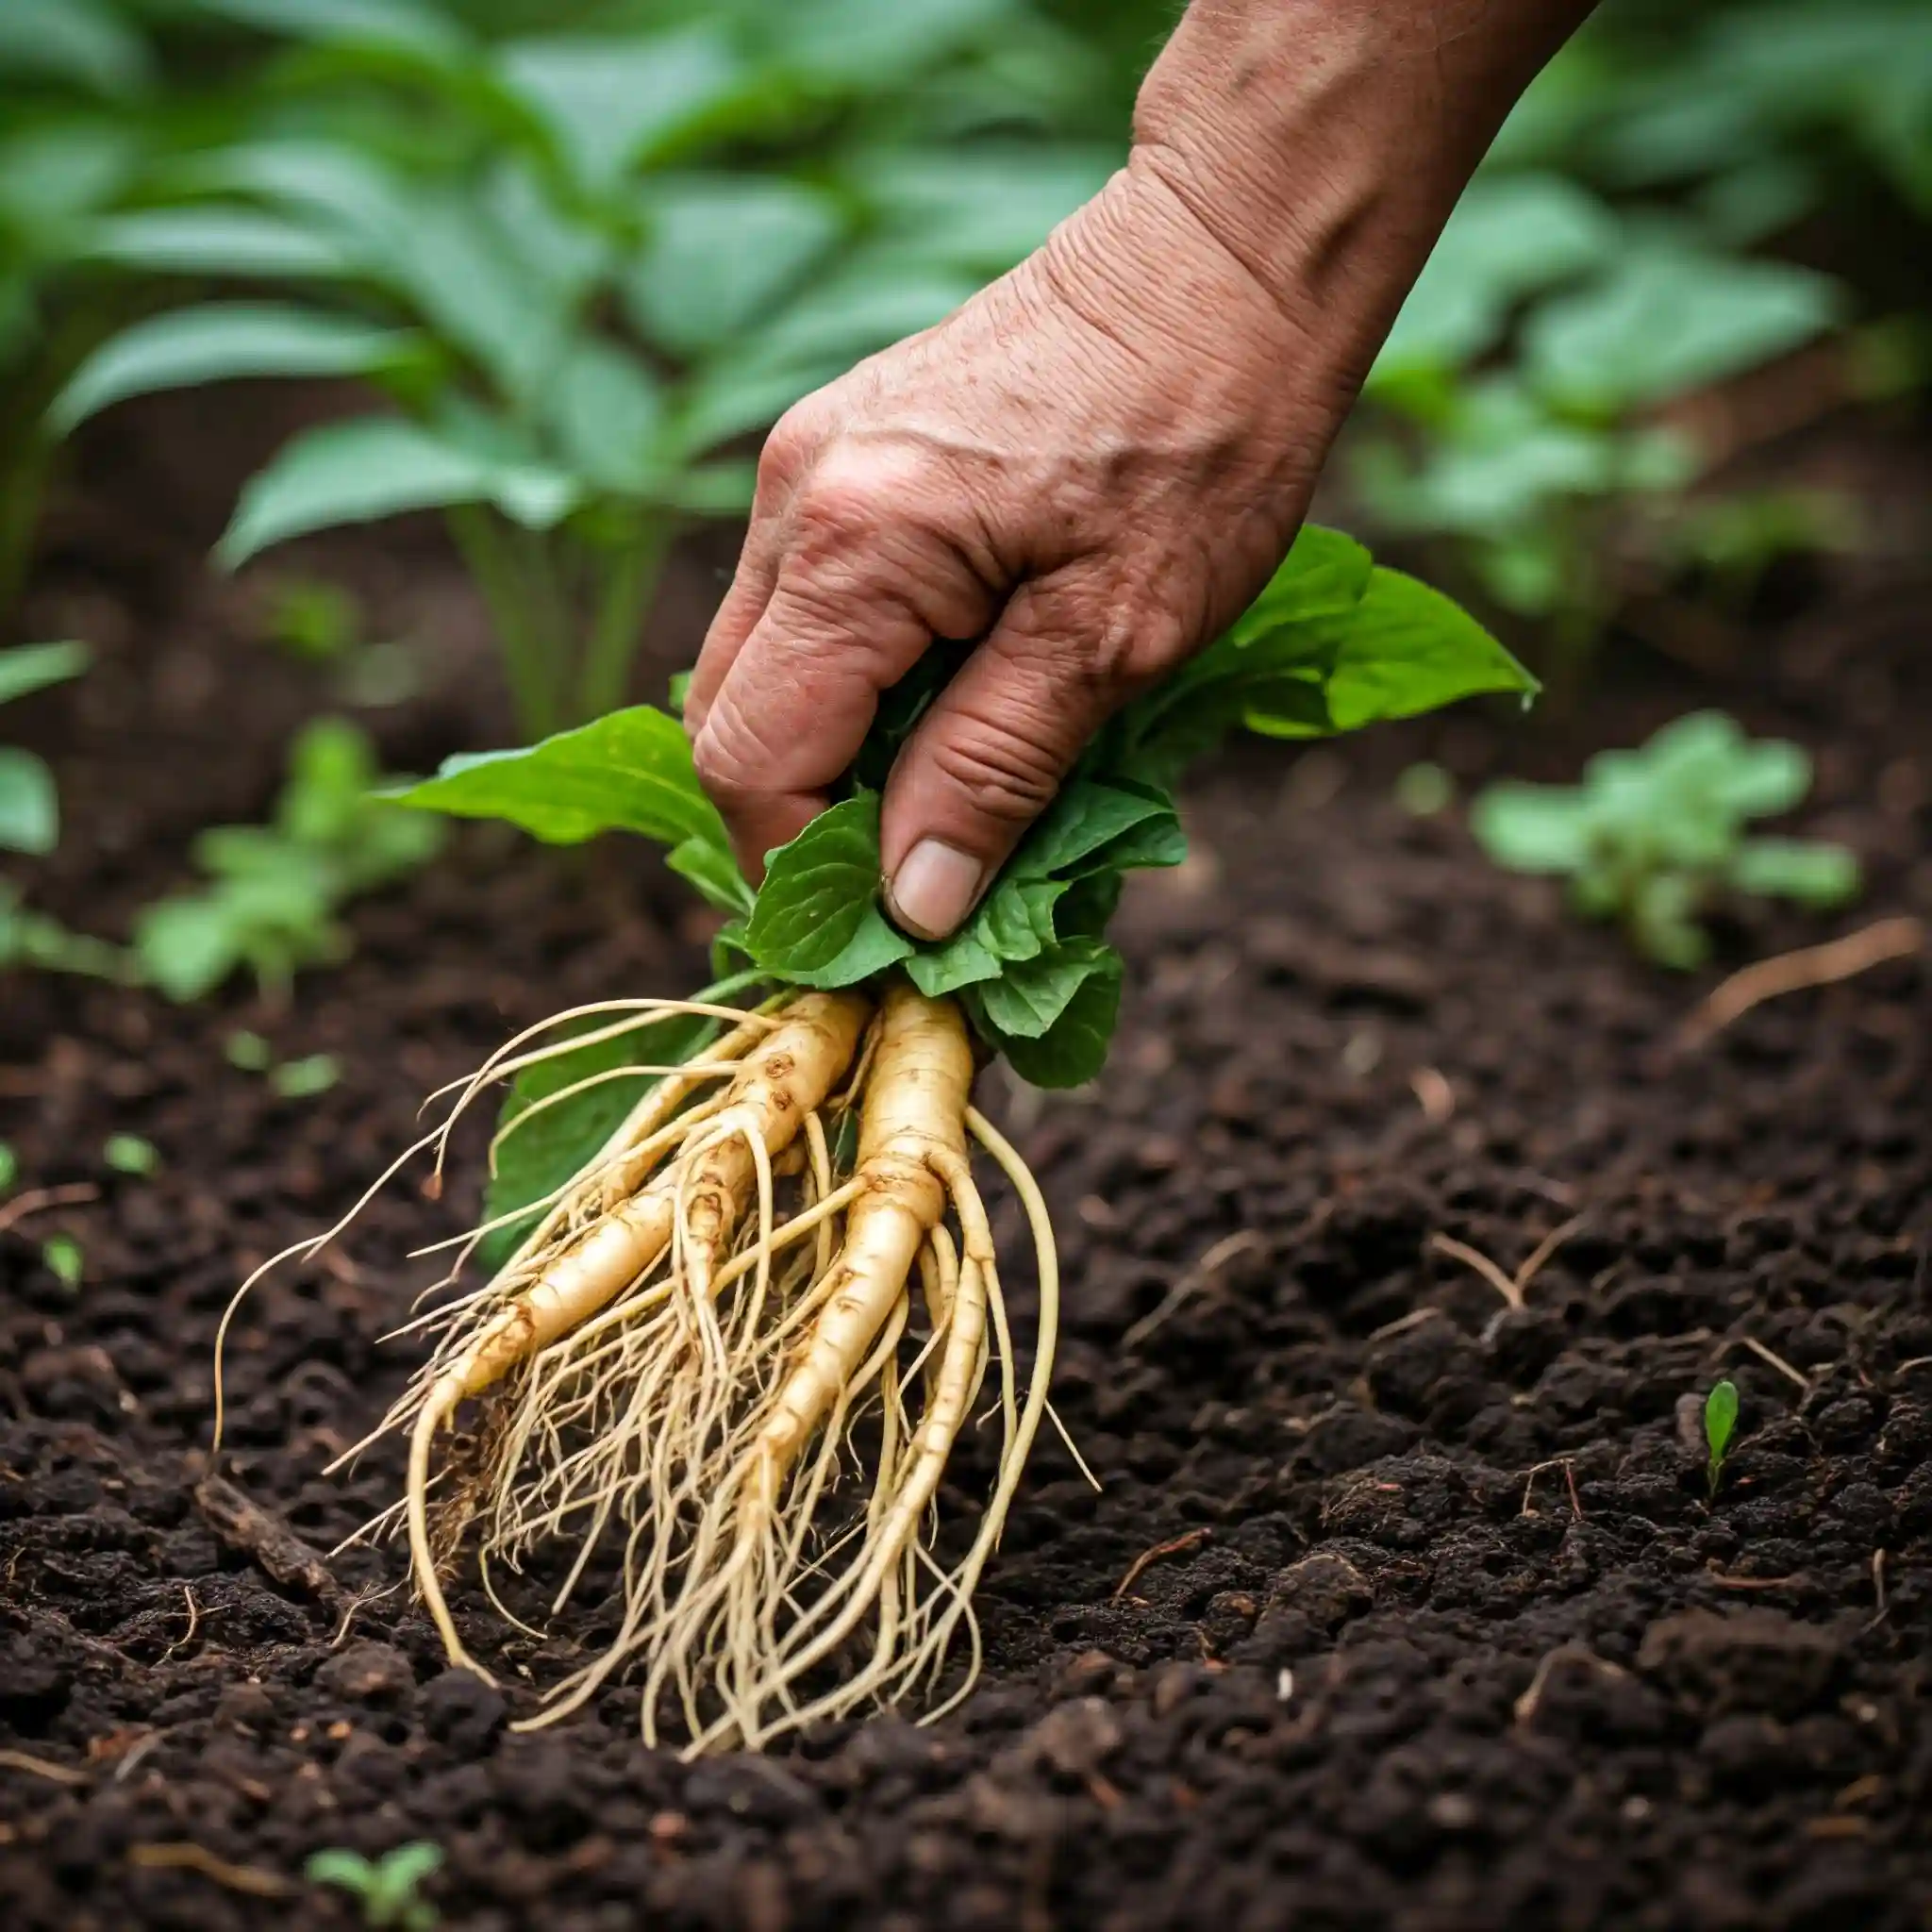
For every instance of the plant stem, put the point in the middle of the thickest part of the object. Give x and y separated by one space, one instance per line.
527 663
629 588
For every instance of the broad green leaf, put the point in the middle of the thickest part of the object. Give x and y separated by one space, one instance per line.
1532 828
378 466
629 771
1807 871
607 410
875 43
27 667
54 174
215 240
1074 1049
1668 320
817 920
84 43
1511 236
30 806
1409 649
556 1142
187 947
410 23
965 960
1017 918
980 209
1080 821
721 250
606 103
1027 999
712 870
220 342
328 186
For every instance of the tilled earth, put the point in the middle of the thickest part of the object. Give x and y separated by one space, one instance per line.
1402 1604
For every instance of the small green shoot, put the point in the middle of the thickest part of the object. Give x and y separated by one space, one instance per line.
9 1167
275 890
129 1154
1654 838
1720 1423
317 622
1424 790
248 1051
64 1260
29 806
303 1078
386 1887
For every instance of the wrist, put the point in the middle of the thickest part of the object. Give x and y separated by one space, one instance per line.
1322 143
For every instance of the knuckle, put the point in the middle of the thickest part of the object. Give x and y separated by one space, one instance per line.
853 491
1007 770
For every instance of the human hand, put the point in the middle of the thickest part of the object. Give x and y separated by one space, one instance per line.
1091 467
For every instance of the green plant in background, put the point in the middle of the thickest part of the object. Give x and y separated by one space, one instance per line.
1652 838
1720 1422
129 1154
590 264
388 1888
29 805
65 1260
276 890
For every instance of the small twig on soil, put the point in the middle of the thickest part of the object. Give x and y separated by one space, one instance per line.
1776 1361
1531 1700
1563 1463
1178 1546
124 1769
1512 1288
1726 1582
1810 966
246 1525
1204 1271
1472 1258
354 1605
41 1767
193 1858
38 1199
1878 1614
187 1637
1401 1325
1433 1094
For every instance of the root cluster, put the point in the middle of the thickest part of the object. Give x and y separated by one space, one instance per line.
733 1355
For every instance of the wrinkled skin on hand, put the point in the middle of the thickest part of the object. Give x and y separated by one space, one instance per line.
1094 465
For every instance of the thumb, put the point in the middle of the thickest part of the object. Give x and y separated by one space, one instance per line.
989 756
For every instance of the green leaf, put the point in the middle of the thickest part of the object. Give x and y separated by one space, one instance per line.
129 1154
714 872
214 241
607 103
1532 828
1028 998
305 1078
28 668
1719 1419
187 946
1084 819
1807 871
222 342
85 42
556 1142
607 411
64 1258
1670 319
1409 649
335 1866
407 24
964 960
1074 1049
720 251
29 804
629 771
378 466
817 921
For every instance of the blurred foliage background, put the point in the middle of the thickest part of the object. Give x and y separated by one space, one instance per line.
581 253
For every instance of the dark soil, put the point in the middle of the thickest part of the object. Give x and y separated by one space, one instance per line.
1399 1609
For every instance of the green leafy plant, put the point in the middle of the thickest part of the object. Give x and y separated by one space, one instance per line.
1654 838
130 1155
1720 1423
1333 644
709 1215
388 1888
64 1259
29 805
620 253
277 890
